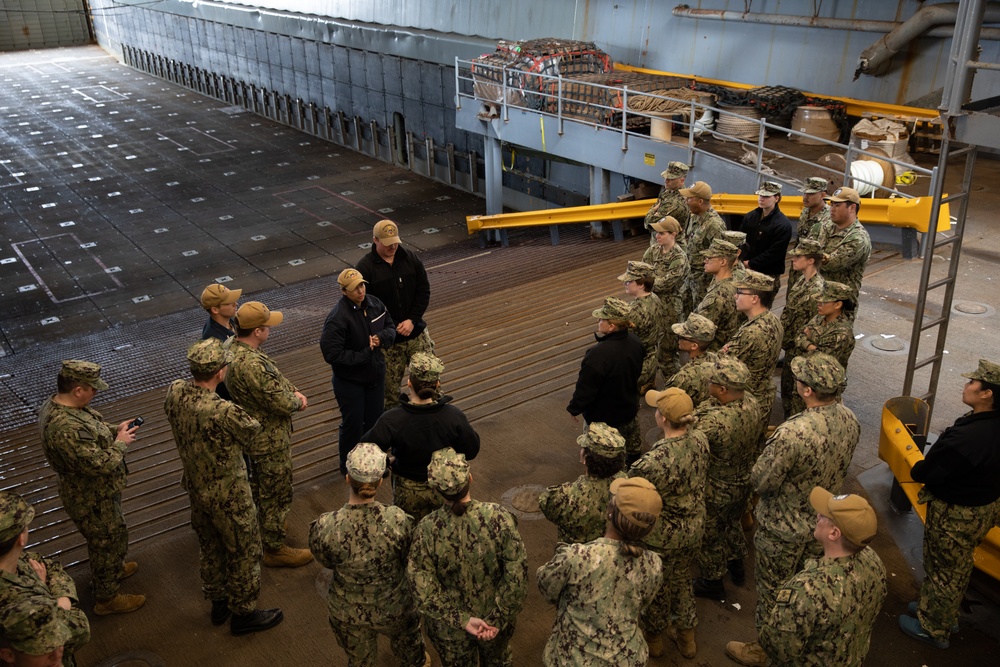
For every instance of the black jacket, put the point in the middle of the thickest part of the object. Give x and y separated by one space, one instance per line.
963 466
607 388
412 433
344 341
402 286
767 240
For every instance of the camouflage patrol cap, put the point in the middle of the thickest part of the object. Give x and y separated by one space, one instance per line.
852 514
673 403
34 625
638 270
768 189
813 185
208 356
820 372
845 194
667 223
86 372
720 248
387 232
216 295
366 463
731 373
675 170
15 515
696 327
425 367
614 309
834 291
448 471
700 189
602 440
755 280
636 497
734 237
807 246
349 279
987 372
253 314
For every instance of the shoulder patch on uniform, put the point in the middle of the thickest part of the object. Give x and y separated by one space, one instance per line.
784 596
84 434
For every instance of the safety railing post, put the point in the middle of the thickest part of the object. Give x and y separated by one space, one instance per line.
624 118
559 106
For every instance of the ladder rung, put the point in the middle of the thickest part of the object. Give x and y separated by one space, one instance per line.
946 241
954 197
926 397
939 283
925 362
933 323
958 152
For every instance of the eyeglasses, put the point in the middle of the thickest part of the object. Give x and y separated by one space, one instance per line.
744 292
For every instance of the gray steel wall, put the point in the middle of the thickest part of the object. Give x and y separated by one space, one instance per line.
40 24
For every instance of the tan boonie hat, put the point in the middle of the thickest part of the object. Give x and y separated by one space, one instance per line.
448 471
768 189
675 170
387 232
987 372
208 356
425 367
696 327
366 463
834 291
720 248
755 280
253 314
666 224
638 270
614 309
15 515
819 371
845 194
813 185
34 625
852 514
673 403
602 440
700 189
736 238
637 495
86 372
807 246
349 279
216 295
731 373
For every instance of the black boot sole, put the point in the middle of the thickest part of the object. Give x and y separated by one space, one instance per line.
258 626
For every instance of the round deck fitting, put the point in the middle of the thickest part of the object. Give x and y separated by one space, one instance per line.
972 308
882 345
523 501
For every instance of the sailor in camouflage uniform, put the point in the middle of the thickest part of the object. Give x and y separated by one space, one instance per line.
730 420
34 631
670 202
846 242
365 543
579 508
468 570
648 316
677 465
257 386
600 588
28 577
813 448
671 266
88 455
815 215
694 335
830 331
800 307
738 239
824 614
719 303
209 432
705 226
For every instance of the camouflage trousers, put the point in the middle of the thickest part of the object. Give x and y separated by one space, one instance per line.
415 498
674 604
100 521
271 484
360 642
791 402
766 401
229 539
775 561
633 438
650 364
723 539
468 651
695 288
667 355
951 534
397 359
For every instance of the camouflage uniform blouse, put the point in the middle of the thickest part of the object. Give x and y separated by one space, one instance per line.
808 222
824 614
702 228
835 338
800 307
578 509
731 430
671 270
693 377
257 385
599 593
757 343
719 305
848 251
649 316
81 447
671 203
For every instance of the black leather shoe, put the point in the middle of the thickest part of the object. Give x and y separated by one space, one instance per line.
736 571
713 589
220 612
255 621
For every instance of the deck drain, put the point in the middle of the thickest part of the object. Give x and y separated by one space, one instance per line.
883 345
972 308
523 501
134 659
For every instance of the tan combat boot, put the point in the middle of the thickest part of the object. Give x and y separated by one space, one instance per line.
747 653
427 659
684 639
129 569
286 556
655 644
121 603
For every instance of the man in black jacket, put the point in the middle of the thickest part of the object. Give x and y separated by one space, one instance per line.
607 389
397 277
355 333
768 232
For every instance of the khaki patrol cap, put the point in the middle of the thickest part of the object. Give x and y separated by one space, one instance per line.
602 440
768 189
696 327
845 194
813 185
673 403
734 237
253 314
613 309
834 291
755 280
15 515
700 189
666 224
349 279
637 495
819 371
987 372
387 232
216 295
33 625
731 373
425 367
675 170
366 463
852 514
86 372
720 248
638 270
448 471
807 246
208 356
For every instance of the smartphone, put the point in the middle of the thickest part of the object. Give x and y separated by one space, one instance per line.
138 421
